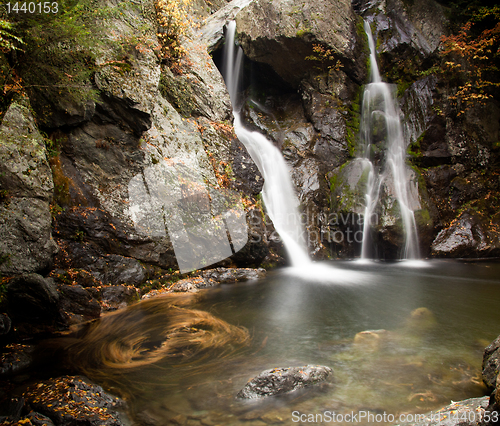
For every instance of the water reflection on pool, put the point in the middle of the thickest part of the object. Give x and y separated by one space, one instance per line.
425 326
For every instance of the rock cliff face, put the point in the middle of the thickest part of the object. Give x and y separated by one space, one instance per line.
451 153
144 118
281 34
303 93
315 121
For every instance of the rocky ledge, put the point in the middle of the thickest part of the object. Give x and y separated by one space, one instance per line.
36 304
209 278
68 400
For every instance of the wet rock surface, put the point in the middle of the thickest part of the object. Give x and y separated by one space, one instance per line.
405 28
482 411
212 32
416 106
470 235
74 400
232 275
15 359
151 115
115 297
283 380
78 304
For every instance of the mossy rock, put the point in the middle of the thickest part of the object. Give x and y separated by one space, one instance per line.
178 91
348 187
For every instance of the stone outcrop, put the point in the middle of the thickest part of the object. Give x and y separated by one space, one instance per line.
36 304
26 243
212 32
405 28
452 154
281 34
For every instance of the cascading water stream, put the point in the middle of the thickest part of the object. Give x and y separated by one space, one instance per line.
278 194
379 106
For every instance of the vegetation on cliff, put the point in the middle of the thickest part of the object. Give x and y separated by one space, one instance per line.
51 55
473 58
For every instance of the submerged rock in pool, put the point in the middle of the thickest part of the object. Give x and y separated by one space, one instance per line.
370 339
283 380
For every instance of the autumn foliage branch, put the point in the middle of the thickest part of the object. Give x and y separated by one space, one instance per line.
473 57
174 23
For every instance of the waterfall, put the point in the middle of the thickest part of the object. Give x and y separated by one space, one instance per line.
379 109
279 197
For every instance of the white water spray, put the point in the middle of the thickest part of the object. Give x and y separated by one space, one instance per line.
379 106
279 197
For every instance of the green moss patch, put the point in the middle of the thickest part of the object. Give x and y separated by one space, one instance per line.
177 91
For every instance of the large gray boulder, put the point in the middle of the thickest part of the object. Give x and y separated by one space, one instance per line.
283 380
281 34
26 189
